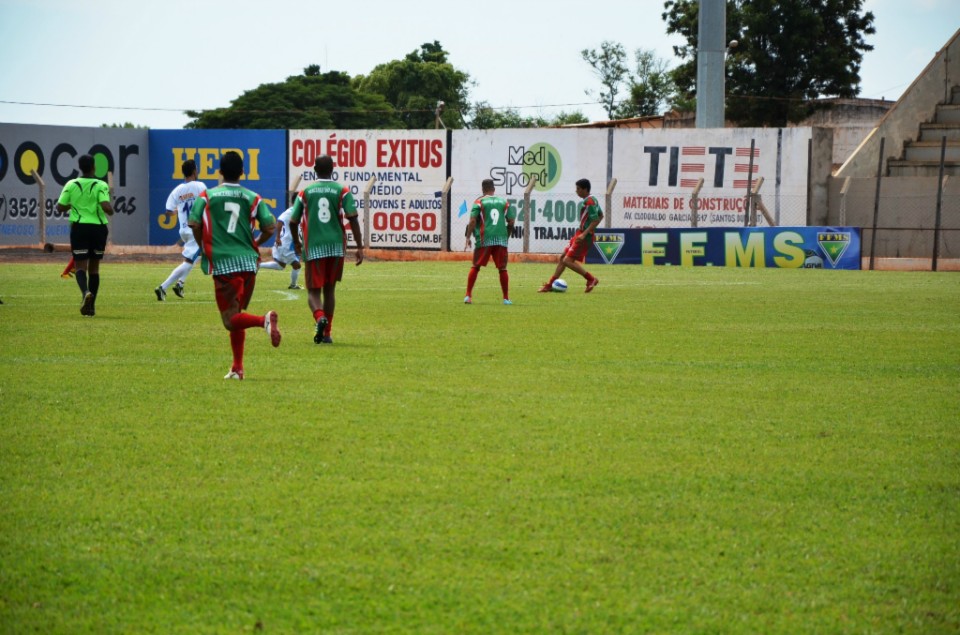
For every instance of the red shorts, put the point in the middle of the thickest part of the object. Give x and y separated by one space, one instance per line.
234 291
578 251
482 255
323 271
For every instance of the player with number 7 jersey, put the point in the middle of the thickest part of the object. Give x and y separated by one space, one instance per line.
222 220
228 214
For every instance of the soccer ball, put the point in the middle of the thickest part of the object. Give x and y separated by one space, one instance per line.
559 285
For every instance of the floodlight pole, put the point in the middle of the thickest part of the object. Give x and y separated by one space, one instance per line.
711 63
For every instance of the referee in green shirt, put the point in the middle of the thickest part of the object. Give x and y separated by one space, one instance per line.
88 200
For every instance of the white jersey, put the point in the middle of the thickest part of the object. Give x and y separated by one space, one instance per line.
283 247
284 237
181 201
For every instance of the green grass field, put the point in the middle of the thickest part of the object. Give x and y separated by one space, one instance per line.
685 450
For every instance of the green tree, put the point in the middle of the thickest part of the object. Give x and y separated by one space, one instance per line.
125 124
312 100
563 118
415 85
789 52
609 64
487 117
651 87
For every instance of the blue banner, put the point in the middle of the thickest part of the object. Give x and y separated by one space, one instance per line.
264 155
783 247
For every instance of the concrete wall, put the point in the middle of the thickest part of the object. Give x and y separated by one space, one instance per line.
820 169
851 121
917 105
906 214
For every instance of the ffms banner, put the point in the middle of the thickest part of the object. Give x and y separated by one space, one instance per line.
784 247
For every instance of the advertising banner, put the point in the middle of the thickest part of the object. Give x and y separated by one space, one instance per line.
264 155
410 167
558 159
657 170
783 247
52 152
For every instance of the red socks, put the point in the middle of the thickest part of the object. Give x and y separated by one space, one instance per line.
472 279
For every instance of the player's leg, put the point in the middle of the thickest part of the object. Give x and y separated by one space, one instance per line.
548 285
93 276
574 265
70 269
295 274
500 259
334 273
329 305
176 278
191 251
314 279
272 265
226 290
80 254
471 280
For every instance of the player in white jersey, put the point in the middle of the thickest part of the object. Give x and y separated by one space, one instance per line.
180 202
283 252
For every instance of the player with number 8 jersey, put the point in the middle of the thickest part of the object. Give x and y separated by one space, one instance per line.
318 213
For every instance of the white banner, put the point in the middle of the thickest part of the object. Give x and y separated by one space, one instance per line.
657 170
559 158
410 167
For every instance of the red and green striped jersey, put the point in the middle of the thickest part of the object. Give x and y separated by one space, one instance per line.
492 213
589 212
84 196
229 214
320 210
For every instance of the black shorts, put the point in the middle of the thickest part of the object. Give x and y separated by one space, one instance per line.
88 240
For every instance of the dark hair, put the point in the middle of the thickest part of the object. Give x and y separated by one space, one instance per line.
323 166
189 167
86 163
584 183
231 166
486 185
293 197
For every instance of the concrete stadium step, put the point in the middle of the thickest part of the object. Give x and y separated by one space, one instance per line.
904 167
948 113
930 150
935 131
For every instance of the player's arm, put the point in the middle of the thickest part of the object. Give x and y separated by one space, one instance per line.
63 203
295 214
357 236
295 237
103 197
586 233
475 212
194 222
467 234
591 227
266 232
511 217
266 221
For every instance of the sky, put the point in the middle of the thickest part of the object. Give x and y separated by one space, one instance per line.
146 61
